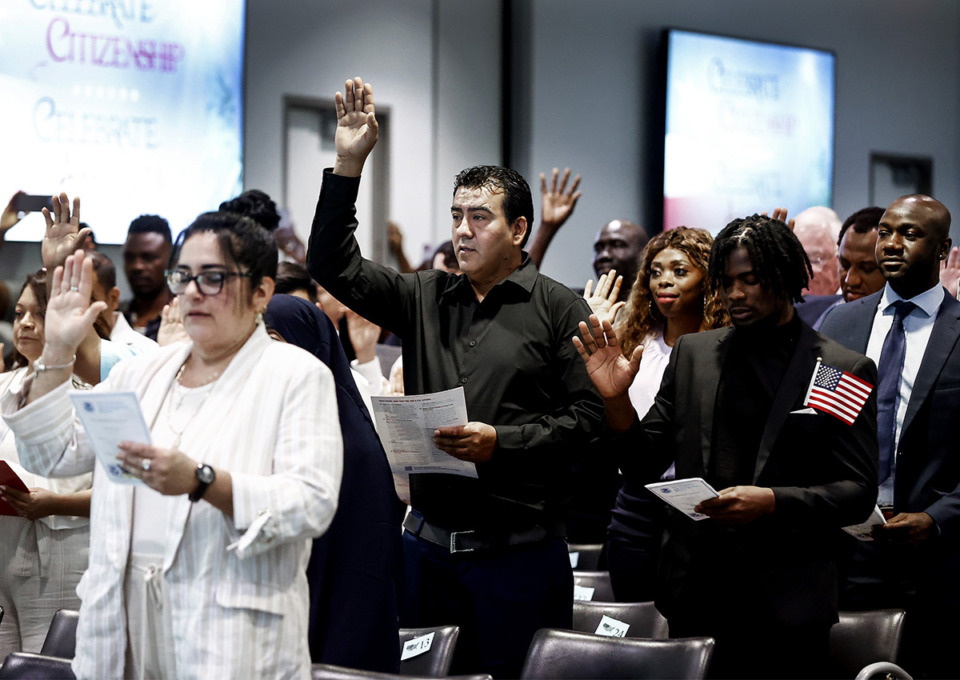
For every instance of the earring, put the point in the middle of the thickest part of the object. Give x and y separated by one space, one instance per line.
259 319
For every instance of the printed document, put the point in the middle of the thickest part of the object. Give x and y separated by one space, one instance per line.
406 426
110 418
684 494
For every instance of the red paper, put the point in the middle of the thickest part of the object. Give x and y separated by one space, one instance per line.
10 478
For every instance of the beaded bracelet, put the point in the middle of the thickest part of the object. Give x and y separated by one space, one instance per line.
39 367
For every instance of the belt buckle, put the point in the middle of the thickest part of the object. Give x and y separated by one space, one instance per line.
453 542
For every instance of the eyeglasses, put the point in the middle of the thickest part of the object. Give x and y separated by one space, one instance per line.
208 282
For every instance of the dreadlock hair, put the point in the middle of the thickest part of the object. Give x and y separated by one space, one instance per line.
517 201
641 316
778 259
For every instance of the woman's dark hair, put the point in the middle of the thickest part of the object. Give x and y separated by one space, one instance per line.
256 205
778 258
242 240
292 277
37 282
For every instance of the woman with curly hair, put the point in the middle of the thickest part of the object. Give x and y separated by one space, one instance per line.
670 297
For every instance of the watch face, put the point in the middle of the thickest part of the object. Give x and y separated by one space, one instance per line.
205 474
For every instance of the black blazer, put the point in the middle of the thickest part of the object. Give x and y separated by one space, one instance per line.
823 473
928 454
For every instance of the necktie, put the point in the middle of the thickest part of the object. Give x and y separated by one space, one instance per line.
888 391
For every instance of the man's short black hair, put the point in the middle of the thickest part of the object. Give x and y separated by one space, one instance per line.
778 257
151 224
105 269
257 205
292 277
862 221
517 201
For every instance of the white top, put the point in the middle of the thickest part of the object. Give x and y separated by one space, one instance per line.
8 453
653 364
124 334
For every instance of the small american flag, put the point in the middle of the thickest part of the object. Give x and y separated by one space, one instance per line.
837 392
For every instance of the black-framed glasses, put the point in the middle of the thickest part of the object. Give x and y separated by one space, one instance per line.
208 282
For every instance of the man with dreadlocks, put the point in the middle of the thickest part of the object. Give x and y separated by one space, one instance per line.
759 574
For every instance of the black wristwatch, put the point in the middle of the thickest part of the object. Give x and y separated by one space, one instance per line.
205 477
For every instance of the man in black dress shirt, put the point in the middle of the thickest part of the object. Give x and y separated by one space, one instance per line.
486 554
759 575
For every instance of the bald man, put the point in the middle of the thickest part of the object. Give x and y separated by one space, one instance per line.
911 329
618 246
818 229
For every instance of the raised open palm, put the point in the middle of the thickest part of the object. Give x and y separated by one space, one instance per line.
63 235
357 127
611 372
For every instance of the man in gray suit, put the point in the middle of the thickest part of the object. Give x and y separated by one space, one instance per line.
911 328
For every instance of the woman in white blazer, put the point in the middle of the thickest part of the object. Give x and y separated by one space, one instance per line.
197 572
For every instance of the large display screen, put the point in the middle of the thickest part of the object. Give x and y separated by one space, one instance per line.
749 127
134 106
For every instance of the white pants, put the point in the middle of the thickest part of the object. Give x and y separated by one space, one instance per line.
40 568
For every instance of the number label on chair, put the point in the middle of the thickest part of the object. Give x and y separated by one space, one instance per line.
574 559
583 593
417 646
612 627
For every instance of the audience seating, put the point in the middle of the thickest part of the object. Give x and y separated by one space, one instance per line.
61 640
863 638
436 662
323 671
644 619
565 654
26 666
599 581
883 670
587 555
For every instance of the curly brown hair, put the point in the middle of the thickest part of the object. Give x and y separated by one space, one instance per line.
640 317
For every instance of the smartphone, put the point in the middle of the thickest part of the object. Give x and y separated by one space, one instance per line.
32 203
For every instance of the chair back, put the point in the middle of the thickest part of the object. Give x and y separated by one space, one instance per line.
863 638
25 666
563 654
585 556
883 670
592 586
61 640
325 671
633 619
433 662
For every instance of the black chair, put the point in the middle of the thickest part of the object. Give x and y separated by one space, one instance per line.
565 654
61 639
599 581
883 670
585 556
25 666
644 619
862 638
324 671
436 662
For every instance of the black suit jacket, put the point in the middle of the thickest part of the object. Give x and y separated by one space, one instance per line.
928 454
823 473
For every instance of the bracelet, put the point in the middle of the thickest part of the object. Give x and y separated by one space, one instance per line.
39 367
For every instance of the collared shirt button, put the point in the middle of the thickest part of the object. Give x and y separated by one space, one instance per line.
463 380
473 343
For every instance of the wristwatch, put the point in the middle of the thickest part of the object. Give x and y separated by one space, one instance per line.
205 477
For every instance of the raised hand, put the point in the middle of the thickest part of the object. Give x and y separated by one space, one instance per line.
357 127
781 214
603 302
950 271
611 372
9 218
70 314
363 336
171 325
63 235
557 203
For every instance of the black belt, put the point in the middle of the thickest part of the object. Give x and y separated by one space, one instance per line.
474 539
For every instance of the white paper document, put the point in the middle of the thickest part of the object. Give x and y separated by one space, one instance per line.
406 426
110 418
684 494
862 531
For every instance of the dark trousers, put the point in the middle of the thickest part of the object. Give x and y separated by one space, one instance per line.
498 598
